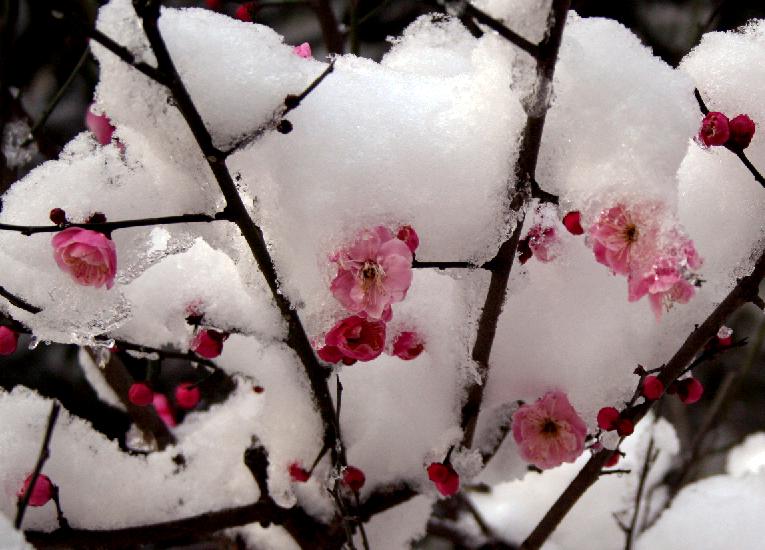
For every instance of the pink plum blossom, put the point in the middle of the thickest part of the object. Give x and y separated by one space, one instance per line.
303 50
443 476
374 272
88 256
543 243
42 491
408 345
715 129
100 125
353 339
549 431
615 233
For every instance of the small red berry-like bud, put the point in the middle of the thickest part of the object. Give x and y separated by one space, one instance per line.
407 234
443 476
724 337
9 339
573 222
246 12
353 478
408 345
607 418
214 4
298 473
613 460
140 394
741 131
689 390
715 129
625 427
57 216
187 395
653 388
258 389
97 217
42 492
208 343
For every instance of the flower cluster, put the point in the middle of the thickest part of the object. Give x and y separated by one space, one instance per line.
549 431
717 129
374 272
658 261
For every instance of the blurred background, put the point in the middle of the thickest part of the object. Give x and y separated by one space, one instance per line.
47 78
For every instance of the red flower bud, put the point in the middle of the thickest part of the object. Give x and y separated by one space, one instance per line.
140 394
741 130
443 476
353 478
607 418
625 427
57 216
573 222
408 345
208 343
42 492
214 4
9 339
246 12
407 234
715 129
187 395
298 473
653 388
689 390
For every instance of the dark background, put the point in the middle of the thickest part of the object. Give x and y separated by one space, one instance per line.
38 54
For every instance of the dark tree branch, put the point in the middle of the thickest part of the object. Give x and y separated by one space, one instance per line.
330 30
735 149
511 36
117 49
297 338
23 502
745 289
536 108
18 302
650 458
108 227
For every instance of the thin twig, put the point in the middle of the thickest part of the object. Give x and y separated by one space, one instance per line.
511 36
56 98
291 102
18 302
650 458
108 227
21 505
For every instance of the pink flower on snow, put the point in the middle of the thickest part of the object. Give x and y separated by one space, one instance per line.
303 50
88 256
374 272
100 125
543 242
549 431
613 237
670 278
408 345
353 339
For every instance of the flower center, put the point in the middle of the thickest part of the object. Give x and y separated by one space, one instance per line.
549 427
371 275
630 233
